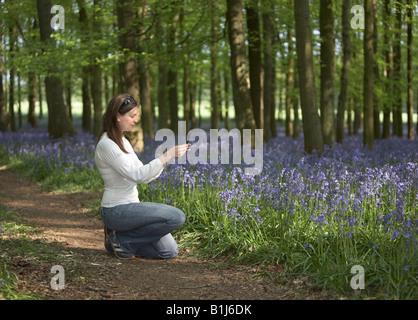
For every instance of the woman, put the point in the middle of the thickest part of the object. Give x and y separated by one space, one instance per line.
132 228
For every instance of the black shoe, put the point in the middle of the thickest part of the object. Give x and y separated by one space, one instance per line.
112 245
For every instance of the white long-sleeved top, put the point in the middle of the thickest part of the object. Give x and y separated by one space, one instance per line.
121 172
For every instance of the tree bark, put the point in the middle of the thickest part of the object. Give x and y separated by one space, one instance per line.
255 65
32 99
85 94
4 118
326 25
397 94
214 97
129 71
267 90
144 77
410 94
368 134
342 98
59 125
289 82
240 78
172 70
313 138
387 69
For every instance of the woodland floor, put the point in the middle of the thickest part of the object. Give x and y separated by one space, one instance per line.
93 273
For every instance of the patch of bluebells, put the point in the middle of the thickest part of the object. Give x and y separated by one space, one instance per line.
71 154
347 188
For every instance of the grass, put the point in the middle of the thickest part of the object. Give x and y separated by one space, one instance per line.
20 240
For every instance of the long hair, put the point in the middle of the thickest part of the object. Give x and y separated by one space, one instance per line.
121 103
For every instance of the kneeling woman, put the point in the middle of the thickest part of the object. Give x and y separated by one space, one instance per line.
132 228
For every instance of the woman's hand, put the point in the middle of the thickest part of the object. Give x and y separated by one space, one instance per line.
175 152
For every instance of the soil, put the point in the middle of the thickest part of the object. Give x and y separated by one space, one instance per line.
93 273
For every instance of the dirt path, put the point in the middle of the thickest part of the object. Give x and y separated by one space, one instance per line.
98 274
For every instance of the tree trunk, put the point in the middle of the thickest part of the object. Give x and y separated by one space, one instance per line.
172 69
12 74
289 82
326 25
96 77
255 65
162 76
144 77
397 93
368 134
410 94
214 98
40 99
4 118
226 90
240 78
376 98
267 89
313 138
129 71
387 69
59 125
85 94
342 98
67 89
32 99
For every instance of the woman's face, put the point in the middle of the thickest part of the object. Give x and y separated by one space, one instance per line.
128 120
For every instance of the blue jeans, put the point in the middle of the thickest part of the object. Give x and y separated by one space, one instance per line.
143 228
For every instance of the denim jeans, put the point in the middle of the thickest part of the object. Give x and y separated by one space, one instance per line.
143 228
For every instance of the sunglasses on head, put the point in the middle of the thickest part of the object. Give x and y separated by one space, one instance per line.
127 101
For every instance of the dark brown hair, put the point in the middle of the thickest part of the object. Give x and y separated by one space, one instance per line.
121 103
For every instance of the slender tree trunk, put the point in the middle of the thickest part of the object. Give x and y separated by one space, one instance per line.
129 70
274 36
12 74
32 91
326 25
295 103
376 98
32 99
4 118
240 78
311 121
144 77
342 98
192 97
19 100
85 94
289 82
387 70
96 77
214 98
226 88
397 93
410 94
68 96
255 64
172 69
368 135
268 92
40 99
163 115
